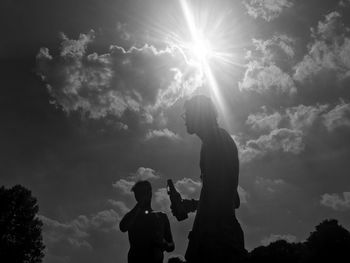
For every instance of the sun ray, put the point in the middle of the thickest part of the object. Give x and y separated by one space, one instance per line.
203 52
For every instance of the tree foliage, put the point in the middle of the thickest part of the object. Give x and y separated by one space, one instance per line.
20 228
330 242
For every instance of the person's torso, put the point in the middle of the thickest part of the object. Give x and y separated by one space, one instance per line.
147 232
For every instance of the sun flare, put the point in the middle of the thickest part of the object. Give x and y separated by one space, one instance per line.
201 49
201 52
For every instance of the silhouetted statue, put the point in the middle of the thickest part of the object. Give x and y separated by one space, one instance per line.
149 231
20 228
216 235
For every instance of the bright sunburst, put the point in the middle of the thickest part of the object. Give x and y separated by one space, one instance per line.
201 51
205 33
201 48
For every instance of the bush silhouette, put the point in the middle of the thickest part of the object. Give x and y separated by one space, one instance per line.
278 251
329 243
20 229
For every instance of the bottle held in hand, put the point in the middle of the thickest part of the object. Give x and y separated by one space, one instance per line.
177 207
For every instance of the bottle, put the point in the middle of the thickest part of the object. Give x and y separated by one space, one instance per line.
177 208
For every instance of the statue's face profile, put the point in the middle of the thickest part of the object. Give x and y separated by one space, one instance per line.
200 115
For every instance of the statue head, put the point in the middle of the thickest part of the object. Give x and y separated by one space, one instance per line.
200 114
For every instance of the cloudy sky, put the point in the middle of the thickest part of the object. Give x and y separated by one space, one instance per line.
91 97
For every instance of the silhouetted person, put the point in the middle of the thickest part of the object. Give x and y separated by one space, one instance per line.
149 231
216 235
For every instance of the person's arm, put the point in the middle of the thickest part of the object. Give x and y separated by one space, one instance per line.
168 242
129 219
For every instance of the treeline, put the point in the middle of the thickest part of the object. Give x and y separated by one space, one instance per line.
330 242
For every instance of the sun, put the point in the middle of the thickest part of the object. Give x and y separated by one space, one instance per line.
208 42
200 48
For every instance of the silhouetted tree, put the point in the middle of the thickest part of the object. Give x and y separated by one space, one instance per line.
20 228
278 251
329 243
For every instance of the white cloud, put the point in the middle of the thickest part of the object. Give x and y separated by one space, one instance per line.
55 231
143 173
283 139
329 52
165 133
344 3
162 201
247 154
124 186
262 78
264 121
264 71
303 117
300 117
141 80
288 129
243 195
339 116
268 186
122 31
76 48
274 237
267 9
277 48
105 220
81 236
119 206
189 188
336 201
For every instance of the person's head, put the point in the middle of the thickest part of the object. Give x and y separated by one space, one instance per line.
142 191
200 114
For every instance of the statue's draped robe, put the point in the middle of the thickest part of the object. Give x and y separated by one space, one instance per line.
216 235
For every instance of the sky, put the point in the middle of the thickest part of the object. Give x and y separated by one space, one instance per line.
92 94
